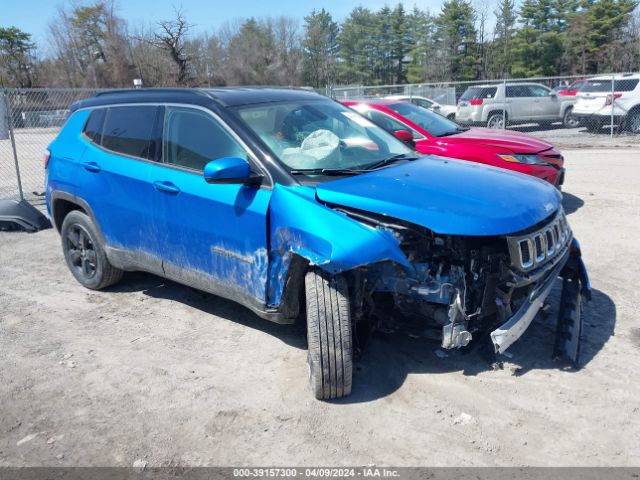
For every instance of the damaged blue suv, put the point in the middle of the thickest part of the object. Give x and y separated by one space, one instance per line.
297 207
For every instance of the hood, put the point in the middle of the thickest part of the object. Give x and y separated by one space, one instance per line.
448 196
515 141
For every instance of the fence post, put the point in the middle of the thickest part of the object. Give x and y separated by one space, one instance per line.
613 100
13 143
504 105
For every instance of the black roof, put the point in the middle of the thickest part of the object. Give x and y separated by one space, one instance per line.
225 96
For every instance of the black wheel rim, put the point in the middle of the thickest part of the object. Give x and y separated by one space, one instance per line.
81 251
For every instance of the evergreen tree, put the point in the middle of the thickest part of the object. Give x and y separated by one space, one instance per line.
320 48
456 34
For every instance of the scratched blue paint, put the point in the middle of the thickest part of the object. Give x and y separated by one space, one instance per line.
301 225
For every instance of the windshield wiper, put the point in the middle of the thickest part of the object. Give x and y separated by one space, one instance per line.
326 171
388 161
453 132
353 171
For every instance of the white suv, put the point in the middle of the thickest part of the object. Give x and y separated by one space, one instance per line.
596 101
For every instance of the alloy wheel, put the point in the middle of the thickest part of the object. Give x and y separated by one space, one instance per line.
81 251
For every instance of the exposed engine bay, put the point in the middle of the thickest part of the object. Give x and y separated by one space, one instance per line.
459 287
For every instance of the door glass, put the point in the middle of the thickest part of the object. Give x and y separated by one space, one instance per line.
93 127
388 123
538 91
129 130
192 138
518 91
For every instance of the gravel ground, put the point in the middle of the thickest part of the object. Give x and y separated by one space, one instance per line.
151 371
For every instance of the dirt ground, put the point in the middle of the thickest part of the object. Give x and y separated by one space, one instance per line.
151 371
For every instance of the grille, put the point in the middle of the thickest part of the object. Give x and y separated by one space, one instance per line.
537 248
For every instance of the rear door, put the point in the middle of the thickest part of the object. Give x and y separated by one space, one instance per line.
519 101
213 236
114 178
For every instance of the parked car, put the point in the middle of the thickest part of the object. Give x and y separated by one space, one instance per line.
448 111
429 133
293 205
572 89
521 102
594 105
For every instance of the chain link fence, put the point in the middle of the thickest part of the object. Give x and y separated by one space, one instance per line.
29 120
519 104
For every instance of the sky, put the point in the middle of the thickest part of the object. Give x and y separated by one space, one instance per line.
34 16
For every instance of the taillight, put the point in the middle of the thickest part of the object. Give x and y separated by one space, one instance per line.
475 101
615 97
47 156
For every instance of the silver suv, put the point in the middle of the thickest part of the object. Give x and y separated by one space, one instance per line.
523 103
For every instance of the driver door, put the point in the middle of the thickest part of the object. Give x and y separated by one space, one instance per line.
212 236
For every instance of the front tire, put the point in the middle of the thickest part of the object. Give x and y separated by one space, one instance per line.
330 355
568 120
84 253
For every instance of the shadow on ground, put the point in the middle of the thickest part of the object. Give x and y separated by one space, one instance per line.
157 287
390 358
571 203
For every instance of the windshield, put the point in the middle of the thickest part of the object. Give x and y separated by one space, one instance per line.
320 135
434 123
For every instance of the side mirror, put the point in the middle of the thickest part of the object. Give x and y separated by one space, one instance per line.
553 93
227 170
403 135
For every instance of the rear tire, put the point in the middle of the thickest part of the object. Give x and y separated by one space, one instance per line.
594 125
633 121
84 253
330 355
496 121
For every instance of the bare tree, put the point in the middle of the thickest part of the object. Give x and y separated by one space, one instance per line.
171 37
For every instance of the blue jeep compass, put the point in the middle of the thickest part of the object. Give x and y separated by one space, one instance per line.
295 206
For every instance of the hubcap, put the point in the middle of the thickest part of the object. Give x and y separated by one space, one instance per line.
496 122
81 251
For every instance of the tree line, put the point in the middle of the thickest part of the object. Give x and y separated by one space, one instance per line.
91 45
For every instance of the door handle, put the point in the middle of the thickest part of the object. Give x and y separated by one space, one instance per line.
91 166
166 187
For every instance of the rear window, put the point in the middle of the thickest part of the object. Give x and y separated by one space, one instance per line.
600 86
479 92
93 127
129 130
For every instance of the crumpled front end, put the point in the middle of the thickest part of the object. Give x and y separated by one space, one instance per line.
458 288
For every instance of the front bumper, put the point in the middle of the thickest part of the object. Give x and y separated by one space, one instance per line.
505 335
571 266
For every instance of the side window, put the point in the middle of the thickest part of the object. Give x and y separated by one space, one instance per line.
129 130
517 91
538 91
388 123
192 138
93 127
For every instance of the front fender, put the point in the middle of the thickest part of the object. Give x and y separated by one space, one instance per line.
300 225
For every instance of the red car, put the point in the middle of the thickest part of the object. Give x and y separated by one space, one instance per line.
573 89
430 133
